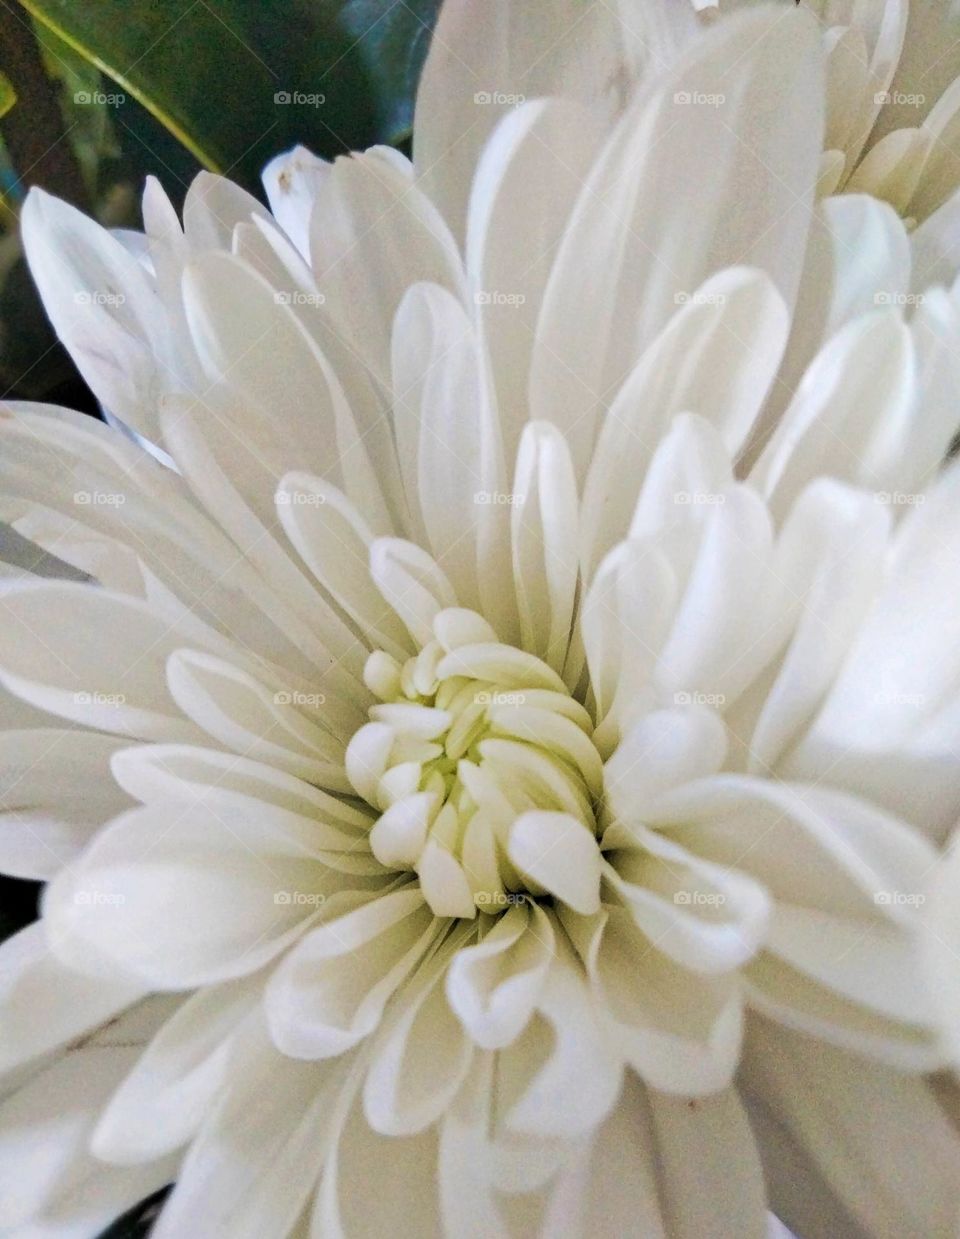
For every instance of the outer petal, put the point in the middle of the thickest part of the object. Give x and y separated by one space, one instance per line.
43 821
895 1175
646 215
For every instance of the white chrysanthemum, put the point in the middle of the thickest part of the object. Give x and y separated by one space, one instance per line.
533 649
892 104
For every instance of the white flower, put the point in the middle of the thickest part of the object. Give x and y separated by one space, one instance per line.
942 931
520 695
892 107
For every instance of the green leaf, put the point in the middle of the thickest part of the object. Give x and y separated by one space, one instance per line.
137 1222
8 96
239 80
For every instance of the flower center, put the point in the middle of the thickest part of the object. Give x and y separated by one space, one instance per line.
468 737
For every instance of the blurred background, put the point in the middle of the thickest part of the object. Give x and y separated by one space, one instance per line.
97 94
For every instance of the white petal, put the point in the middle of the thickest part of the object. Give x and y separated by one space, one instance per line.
291 181
334 542
679 1032
373 234
643 213
565 1085
249 339
164 1099
406 1184
449 439
559 854
256 1160
243 714
183 773
102 306
711 1179
483 63
212 208
660 751
896 1175
90 656
181 896
831 555
43 821
710 918
241 499
493 985
61 1190
526 183
330 992
625 618
46 1004
544 531
412 583
420 1058
942 940
887 728
716 357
